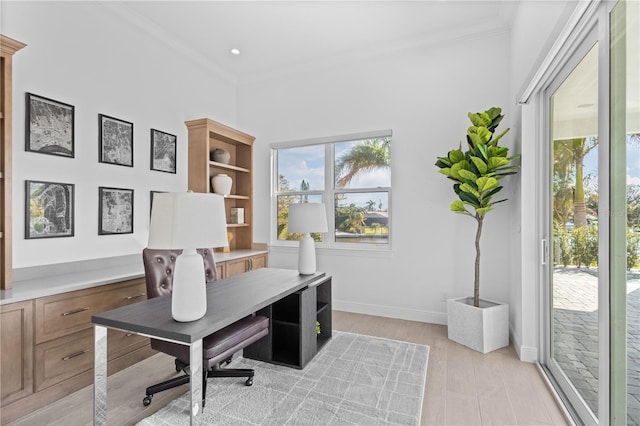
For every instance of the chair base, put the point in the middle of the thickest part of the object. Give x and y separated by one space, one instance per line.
213 372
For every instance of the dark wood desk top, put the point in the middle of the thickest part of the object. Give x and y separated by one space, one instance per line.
228 300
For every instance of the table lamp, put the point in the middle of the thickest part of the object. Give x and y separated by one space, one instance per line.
188 221
307 218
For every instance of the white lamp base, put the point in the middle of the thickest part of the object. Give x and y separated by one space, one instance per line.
307 255
189 296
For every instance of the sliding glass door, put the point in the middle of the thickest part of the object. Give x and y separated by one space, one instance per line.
625 213
573 278
593 221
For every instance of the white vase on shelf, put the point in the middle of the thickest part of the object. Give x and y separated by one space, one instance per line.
221 184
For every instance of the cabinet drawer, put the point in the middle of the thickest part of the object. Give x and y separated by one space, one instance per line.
63 358
132 293
120 343
67 313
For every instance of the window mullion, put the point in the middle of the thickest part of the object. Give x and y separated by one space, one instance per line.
329 179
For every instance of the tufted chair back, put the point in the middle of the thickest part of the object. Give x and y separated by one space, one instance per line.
159 266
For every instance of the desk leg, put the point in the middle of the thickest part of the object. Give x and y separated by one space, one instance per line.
100 376
195 367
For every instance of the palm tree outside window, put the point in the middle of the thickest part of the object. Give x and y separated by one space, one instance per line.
351 175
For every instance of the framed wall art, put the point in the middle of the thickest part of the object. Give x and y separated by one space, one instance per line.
163 151
116 141
115 211
49 209
49 126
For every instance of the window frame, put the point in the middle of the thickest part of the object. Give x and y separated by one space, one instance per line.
328 194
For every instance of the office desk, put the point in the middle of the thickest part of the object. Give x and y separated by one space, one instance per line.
228 300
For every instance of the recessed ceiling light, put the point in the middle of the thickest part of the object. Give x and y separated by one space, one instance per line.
235 51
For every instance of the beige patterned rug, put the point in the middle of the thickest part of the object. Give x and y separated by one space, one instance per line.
353 380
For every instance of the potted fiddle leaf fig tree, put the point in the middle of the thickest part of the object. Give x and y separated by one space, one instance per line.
476 173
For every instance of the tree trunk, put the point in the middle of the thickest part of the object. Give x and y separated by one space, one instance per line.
579 206
476 279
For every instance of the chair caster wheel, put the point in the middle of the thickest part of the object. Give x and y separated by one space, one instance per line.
147 400
249 381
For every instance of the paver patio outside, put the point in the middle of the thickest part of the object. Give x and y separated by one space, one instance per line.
575 314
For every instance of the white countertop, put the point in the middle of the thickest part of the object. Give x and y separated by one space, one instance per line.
46 280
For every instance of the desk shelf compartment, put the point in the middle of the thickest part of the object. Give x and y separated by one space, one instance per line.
292 339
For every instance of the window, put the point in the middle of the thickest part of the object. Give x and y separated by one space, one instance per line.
350 174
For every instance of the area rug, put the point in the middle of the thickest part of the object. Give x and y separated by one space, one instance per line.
353 380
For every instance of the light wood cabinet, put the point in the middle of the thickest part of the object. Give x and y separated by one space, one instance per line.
48 345
245 264
8 47
16 349
205 136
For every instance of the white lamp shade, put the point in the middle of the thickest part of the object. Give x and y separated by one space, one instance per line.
307 217
187 220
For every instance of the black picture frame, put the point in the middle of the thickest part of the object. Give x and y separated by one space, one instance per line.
115 211
49 126
116 141
163 151
49 209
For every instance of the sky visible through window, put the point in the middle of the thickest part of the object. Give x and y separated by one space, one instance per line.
307 163
633 162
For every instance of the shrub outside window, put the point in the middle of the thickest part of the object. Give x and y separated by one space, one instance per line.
351 175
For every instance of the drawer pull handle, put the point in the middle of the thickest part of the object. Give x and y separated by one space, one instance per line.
77 311
68 357
136 296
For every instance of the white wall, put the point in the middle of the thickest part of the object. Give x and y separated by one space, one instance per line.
423 95
85 54
535 28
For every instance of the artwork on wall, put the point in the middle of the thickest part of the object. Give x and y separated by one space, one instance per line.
116 141
49 209
163 151
115 211
49 126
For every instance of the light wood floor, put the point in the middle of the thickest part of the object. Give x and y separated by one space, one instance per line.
463 387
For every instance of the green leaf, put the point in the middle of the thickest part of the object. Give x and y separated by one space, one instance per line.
469 198
482 211
445 171
489 194
484 151
495 162
456 156
480 165
494 141
469 189
466 174
480 119
443 162
457 206
498 151
487 183
479 135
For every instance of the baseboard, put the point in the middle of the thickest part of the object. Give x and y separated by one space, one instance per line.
391 312
525 353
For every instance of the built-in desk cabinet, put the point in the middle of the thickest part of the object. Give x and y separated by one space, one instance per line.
244 264
48 344
16 351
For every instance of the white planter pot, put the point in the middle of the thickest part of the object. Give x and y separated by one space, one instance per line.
483 329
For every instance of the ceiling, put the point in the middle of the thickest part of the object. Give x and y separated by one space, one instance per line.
280 36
